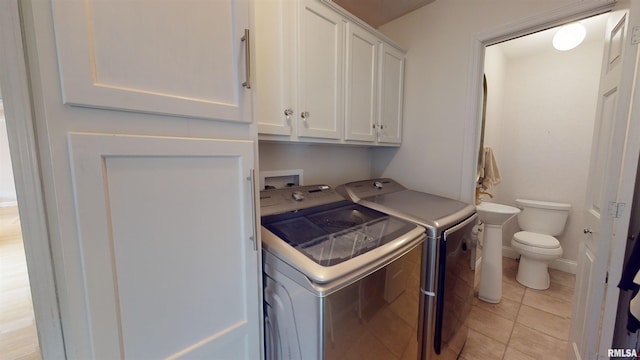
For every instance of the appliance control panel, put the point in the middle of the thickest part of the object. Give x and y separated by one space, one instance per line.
367 188
277 201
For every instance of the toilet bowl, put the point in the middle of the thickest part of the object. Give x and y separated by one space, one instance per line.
539 221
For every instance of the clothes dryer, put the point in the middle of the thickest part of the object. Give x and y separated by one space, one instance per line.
447 274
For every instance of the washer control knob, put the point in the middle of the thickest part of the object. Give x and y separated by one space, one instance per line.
297 195
377 185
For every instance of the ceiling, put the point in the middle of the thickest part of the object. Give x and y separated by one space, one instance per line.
541 41
379 12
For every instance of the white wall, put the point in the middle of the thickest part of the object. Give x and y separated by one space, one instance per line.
541 110
438 38
322 164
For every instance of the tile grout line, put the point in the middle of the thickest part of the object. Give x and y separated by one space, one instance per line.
515 321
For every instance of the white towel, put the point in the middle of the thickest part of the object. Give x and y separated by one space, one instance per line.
489 172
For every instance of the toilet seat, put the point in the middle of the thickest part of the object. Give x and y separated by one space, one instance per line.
536 240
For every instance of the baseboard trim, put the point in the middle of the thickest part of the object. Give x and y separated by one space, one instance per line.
568 266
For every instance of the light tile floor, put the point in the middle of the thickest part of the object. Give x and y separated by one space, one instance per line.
526 324
18 338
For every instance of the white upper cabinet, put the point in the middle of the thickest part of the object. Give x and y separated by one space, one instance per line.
183 58
323 76
361 86
276 63
391 95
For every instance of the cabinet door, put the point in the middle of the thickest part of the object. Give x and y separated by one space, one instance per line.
275 88
361 84
169 262
320 68
391 95
176 57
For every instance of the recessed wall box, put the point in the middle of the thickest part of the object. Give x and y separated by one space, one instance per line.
278 179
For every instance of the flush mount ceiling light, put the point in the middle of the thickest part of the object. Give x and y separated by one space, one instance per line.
569 36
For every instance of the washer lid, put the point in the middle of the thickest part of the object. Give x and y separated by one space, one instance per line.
537 240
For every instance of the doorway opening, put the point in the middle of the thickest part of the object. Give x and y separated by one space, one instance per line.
18 339
541 108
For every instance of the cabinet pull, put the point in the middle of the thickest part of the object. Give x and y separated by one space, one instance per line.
247 64
252 185
304 115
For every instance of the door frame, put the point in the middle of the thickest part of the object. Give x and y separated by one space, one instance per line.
473 130
23 143
479 42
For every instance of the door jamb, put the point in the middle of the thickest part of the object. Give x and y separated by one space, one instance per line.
28 181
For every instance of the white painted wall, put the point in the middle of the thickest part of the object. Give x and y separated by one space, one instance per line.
541 110
439 40
322 164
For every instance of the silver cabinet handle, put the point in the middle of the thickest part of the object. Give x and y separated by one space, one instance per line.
252 183
288 112
587 231
247 64
304 115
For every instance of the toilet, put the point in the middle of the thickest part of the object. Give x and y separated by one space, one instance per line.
540 222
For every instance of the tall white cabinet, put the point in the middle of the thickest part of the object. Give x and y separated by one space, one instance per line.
148 152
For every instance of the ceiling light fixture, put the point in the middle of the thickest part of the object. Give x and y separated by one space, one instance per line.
569 36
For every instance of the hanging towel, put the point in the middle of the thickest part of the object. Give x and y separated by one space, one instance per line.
489 171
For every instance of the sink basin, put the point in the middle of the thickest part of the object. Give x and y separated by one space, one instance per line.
495 214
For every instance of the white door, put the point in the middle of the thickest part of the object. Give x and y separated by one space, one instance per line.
321 80
181 58
361 84
391 95
606 223
170 263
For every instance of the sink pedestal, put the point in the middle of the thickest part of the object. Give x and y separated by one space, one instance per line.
491 268
493 216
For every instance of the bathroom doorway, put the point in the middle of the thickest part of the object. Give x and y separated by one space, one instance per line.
541 107
612 169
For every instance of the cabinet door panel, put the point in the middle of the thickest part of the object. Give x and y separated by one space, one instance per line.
391 95
177 57
361 85
168 263
276 57
321 43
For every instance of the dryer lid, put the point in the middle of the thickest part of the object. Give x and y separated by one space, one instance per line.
536 240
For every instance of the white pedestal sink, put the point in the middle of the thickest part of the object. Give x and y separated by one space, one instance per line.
493 216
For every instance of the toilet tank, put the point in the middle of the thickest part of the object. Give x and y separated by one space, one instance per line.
542 217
